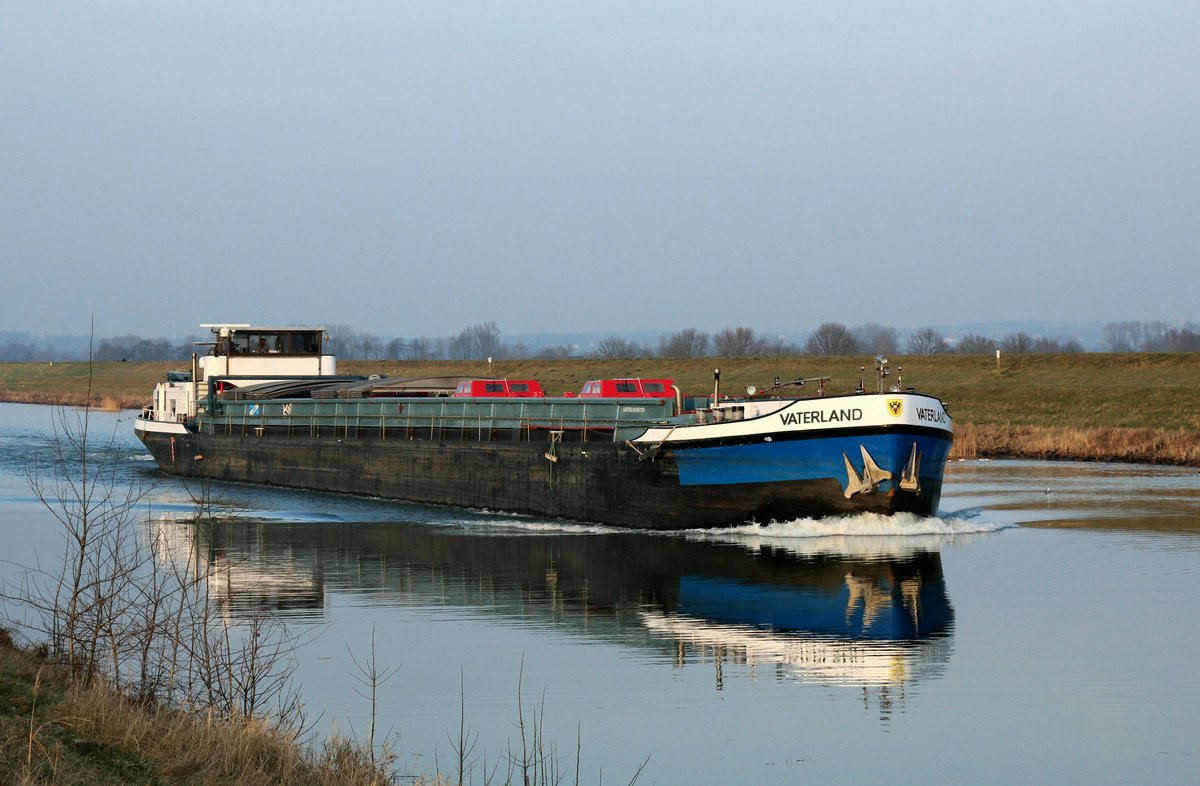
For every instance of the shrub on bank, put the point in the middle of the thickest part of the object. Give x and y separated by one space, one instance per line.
55 728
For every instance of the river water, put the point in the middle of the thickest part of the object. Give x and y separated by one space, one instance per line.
1042 629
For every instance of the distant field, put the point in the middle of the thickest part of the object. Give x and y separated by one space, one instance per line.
1137 407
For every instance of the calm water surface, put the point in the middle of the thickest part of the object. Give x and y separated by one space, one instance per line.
1041 629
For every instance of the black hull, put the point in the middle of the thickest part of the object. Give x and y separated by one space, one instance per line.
602 482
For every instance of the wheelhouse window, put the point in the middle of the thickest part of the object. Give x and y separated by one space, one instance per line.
269 342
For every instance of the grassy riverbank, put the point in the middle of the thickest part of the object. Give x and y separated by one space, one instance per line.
1111 407
56 730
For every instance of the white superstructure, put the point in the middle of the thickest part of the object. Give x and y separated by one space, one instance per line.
239 354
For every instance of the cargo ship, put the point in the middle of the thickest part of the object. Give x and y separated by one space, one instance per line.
266 405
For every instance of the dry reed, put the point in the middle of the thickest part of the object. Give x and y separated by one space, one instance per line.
108 403
1139 445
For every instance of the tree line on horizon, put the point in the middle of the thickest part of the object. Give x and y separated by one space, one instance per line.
483 340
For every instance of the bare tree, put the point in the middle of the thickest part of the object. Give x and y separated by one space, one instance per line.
738 342
371 677
372 346
477 342
556 351
115 611
617 347
831 338
1016 344
1053 346
1117 337
17 352
395 349
687 343
1153 337
421 348
926 341
134 348
1184 339
343 340
487 340
75 604
975 344
779 347
184 349
876 339
1161 337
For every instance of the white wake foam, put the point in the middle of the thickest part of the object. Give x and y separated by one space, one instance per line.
868 535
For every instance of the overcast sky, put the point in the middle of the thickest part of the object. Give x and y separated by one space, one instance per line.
414 168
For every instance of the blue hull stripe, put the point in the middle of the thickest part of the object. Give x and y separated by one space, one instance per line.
809 459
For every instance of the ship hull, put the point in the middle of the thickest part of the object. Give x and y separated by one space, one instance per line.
681 486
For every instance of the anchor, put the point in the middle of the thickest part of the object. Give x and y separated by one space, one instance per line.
909 480
872 476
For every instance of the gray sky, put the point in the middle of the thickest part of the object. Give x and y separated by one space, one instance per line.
414 168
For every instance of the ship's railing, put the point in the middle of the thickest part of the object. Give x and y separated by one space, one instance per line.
161 416
440 418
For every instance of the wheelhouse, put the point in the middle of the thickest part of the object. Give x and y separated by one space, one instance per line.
264 353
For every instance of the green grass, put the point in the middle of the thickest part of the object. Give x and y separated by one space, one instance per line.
1159 391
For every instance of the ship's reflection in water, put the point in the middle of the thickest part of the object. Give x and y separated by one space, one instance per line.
811 610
